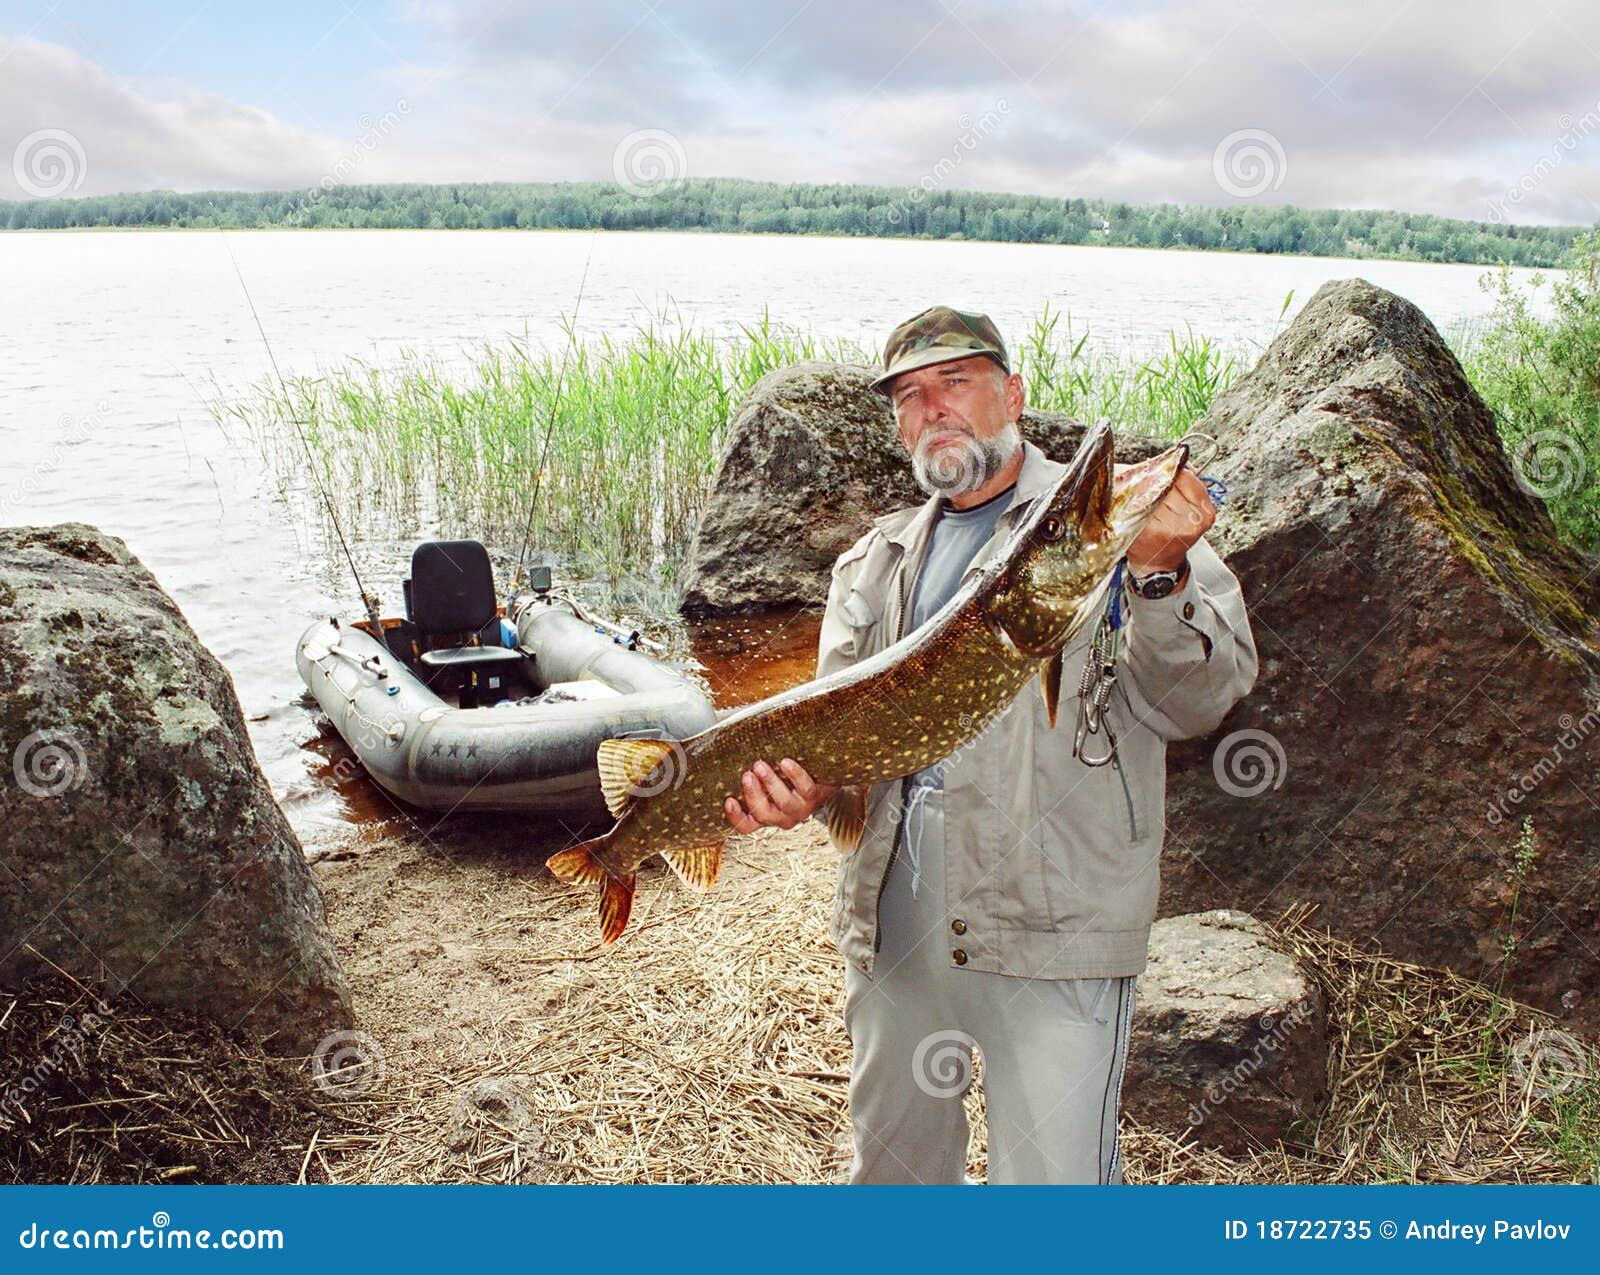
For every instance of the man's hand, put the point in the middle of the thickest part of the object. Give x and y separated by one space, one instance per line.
1183 516
775 800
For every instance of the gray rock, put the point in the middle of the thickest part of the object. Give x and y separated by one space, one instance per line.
811 457
500 1109
497 1104
1230 1037
1430 667
140 847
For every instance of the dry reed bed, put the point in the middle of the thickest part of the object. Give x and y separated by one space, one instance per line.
708 1046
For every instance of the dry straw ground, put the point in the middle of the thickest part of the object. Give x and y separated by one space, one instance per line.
707 1046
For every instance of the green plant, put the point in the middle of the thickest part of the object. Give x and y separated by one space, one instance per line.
1162 395
1541 376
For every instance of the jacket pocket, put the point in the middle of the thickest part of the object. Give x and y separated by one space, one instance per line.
1087 1000
860 615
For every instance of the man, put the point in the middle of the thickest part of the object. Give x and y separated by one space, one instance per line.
1003 898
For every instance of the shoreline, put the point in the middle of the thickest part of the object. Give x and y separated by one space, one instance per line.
732 234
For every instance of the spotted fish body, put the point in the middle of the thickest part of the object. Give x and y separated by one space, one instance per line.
899 711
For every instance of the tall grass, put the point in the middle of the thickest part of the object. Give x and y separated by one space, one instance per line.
1541 376
1165 394
634 439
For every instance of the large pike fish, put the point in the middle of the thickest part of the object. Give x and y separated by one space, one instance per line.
903 709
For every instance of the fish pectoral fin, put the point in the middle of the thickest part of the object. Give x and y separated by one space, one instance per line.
846 816
578 865
696 866
1003 636
1050 683
616 901
632 768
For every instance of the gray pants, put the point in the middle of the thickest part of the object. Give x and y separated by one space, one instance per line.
1053 1049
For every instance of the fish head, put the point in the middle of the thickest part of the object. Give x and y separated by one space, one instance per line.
1058 562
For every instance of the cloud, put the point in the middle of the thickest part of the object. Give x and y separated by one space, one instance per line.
1407 104
131 142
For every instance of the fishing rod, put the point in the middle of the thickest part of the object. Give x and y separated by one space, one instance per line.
555 404
367 600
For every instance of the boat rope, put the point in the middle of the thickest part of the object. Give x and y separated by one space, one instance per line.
368 602
389 730
555 404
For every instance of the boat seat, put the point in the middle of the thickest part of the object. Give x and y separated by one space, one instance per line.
451 588
450 598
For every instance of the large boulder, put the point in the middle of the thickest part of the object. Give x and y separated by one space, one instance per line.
140 848
1430 669
811 457
1230 1036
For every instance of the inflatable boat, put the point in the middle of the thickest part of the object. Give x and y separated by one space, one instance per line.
469 705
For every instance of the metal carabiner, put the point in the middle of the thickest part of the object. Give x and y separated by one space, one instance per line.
1111 747
1091 718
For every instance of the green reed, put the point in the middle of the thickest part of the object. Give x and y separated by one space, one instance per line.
415 447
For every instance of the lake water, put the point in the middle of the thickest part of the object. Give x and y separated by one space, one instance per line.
111 345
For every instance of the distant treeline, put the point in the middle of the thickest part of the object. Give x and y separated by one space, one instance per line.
768 208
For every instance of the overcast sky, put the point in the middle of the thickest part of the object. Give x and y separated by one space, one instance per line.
1488 111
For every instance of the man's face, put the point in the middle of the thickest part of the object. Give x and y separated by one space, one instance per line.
958 421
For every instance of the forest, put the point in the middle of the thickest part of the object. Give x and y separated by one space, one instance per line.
725 205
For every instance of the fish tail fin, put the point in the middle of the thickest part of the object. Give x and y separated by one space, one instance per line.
616 901
581 865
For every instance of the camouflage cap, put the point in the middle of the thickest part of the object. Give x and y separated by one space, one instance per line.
939 335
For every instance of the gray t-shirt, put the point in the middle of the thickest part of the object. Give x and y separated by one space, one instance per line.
958 534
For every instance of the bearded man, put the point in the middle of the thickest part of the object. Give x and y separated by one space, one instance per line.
1001 900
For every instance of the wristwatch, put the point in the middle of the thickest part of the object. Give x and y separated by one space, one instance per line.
1157 584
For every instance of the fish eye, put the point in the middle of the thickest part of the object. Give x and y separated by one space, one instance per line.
1052 528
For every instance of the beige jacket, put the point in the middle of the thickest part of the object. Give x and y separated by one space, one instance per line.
1052 866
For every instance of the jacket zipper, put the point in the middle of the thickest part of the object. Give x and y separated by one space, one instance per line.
900 823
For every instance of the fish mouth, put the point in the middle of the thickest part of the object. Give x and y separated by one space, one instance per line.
1139 488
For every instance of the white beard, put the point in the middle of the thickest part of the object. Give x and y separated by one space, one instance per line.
964 465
